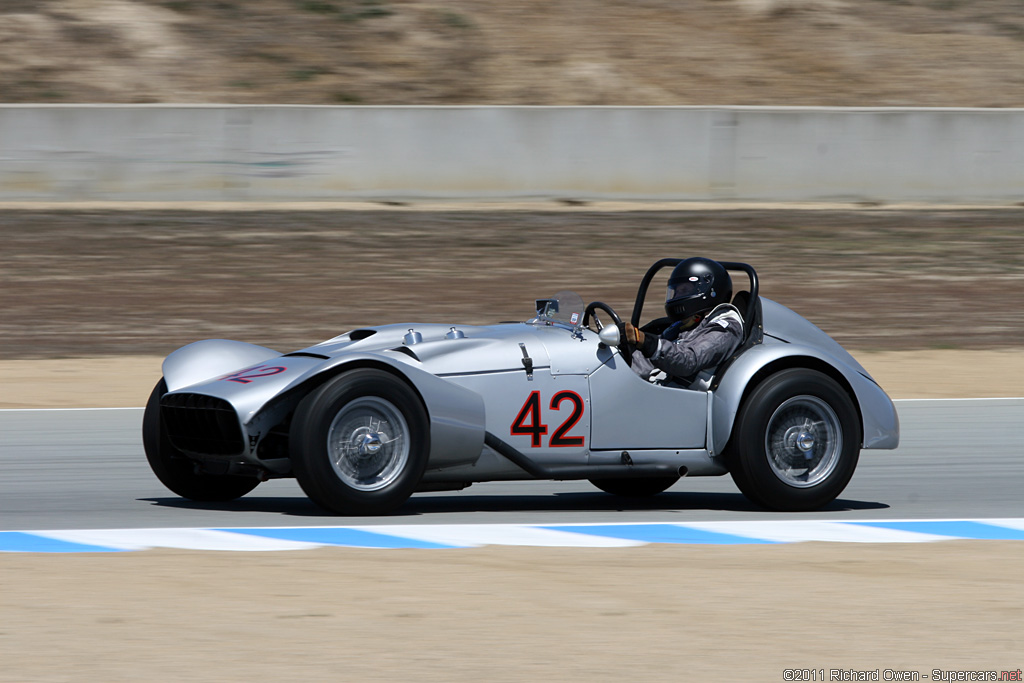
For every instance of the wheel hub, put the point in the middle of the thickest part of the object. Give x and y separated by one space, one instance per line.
803 441
800 440
366 442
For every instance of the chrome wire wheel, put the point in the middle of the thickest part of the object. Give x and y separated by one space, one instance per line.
803 441
368 443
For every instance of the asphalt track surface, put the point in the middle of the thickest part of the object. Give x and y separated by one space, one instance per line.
85 469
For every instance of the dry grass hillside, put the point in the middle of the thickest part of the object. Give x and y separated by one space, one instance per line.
572 52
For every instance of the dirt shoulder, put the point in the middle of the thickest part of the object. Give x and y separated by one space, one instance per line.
125 381
654 613
97 283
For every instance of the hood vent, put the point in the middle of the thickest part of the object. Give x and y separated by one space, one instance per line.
407 351
356 335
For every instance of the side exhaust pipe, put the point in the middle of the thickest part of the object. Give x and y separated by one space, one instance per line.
561 472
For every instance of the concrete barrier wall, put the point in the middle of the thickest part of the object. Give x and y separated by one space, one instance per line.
314 153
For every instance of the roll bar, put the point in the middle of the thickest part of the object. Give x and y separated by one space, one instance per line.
728 265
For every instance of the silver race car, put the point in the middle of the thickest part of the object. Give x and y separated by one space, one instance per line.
368 418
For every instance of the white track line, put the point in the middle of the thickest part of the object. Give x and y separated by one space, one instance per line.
183 539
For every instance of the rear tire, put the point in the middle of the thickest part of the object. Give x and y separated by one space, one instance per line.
360 443
796 441
178 472
635 487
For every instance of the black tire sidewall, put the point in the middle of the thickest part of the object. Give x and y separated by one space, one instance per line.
308 442
747 457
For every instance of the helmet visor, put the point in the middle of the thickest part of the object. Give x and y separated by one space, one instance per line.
686 289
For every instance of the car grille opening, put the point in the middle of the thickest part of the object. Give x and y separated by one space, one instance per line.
201 424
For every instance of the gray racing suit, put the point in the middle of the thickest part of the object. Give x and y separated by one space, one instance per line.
684 355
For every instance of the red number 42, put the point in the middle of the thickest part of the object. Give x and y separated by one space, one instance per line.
529 423
249 374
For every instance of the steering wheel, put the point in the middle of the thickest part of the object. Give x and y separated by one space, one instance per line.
624 346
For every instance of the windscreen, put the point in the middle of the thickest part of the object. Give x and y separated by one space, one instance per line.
565 307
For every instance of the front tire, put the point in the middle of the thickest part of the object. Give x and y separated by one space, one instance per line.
177 471
360 443
796 441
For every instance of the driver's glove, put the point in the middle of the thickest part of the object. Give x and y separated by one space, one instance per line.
644 343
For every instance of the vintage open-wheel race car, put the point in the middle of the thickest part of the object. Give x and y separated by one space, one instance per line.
368 418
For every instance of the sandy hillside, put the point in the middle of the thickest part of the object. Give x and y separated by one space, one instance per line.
641 52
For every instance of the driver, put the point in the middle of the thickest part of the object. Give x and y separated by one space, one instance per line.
704 331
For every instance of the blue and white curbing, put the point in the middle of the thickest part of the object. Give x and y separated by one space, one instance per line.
436 536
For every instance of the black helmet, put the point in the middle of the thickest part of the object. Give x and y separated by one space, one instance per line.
697 285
